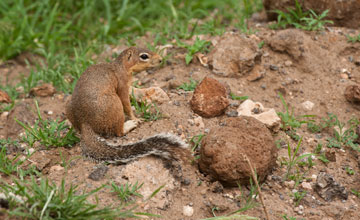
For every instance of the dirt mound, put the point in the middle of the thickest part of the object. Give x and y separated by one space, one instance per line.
223 149
234 55
210 98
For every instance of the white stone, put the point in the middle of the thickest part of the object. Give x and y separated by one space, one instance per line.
188 211
290 183
191 122
56 168
344 76
306 185
307 105
31 150
313 178
288 63
22 158
4 116
152 94
267 116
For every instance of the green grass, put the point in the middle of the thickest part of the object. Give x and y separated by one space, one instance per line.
44 200
11 91
148 111
353 39
48 132
306 20
345 133
355 192
298 196
247 202
198 46
66 33
320 154
190 86
349 171
13 165
290 122
293 159
126 191
196 141
235 97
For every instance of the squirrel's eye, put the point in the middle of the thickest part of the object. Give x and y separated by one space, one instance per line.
144 56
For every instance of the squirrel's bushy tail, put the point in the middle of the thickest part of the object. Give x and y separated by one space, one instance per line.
162 145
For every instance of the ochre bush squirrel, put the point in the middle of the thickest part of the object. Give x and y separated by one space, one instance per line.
97 106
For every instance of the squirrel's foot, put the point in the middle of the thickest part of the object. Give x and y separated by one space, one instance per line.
130 125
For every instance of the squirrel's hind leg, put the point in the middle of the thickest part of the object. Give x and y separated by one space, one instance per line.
109 120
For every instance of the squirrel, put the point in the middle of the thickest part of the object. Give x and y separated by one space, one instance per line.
98 103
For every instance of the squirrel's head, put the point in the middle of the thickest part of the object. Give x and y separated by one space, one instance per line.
138 59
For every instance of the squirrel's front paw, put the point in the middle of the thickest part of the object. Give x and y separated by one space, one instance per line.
131 125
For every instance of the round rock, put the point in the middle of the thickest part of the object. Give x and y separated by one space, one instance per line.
210 98
222 150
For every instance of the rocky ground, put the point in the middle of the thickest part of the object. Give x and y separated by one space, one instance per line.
310 69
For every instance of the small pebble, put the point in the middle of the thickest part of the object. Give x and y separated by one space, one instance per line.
56 168
313 178
281 196
307 105
191 122
188 211
185 182
288 63
274 67
31 150
22 158
232 113
290 183
4 116
306 185
318 136
344 76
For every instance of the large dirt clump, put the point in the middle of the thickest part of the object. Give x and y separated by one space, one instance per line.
223 149
234 55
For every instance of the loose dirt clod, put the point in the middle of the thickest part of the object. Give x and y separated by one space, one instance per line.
4 97
222 149
210 98
43 90
352 94
233 56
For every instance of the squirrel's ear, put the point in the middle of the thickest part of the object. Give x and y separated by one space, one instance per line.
129 54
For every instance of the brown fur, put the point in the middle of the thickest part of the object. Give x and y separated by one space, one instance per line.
98 103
